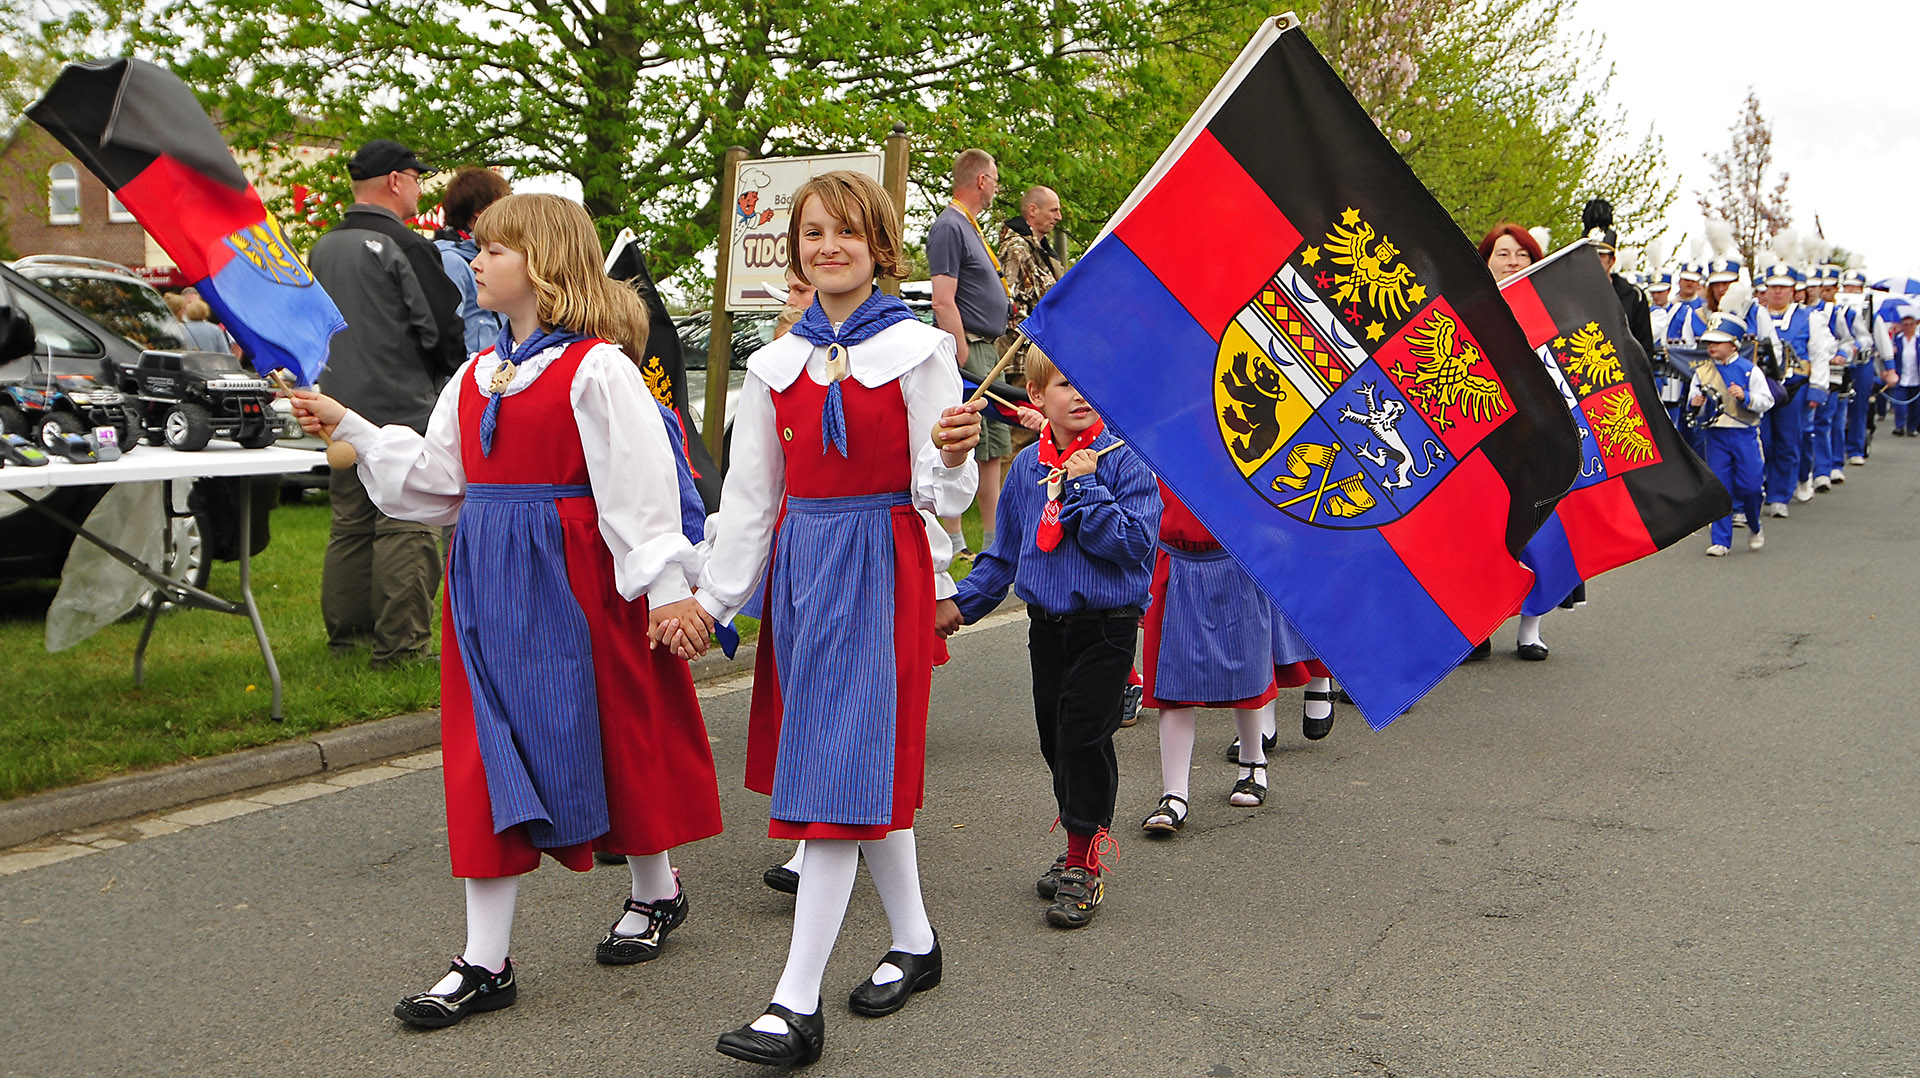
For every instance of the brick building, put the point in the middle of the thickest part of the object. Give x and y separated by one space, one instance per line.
50 204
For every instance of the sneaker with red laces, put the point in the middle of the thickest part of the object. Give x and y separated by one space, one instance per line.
1050 880
1075 899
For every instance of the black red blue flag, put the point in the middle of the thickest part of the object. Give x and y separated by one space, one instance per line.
1640 489
1291 330
140 130
665 365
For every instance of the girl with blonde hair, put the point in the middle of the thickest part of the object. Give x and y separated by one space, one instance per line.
564 732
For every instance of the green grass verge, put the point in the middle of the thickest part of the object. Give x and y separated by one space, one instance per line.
77 715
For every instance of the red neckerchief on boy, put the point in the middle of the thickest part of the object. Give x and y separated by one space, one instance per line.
1049 533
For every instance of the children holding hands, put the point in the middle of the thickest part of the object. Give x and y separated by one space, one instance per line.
849 441
562 732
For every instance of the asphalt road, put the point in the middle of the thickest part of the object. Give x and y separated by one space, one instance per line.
1685 845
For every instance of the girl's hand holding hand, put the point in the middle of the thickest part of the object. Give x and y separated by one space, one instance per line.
684 627
947 618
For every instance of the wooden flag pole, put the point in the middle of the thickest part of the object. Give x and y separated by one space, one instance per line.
1019 341
1062 471
340 455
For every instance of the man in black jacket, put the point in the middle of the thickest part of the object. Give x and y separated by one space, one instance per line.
403 340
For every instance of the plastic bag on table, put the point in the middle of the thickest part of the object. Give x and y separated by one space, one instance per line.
95 590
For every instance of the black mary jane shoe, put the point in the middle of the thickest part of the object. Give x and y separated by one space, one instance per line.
806 1035
918 972
662 918
1311 728
480 990
782 879
1533 653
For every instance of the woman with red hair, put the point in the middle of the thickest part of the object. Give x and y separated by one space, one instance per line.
1507 249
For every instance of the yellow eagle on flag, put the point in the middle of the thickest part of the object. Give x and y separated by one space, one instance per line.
1386 285
1443 378
655 372
1592 359
1621 427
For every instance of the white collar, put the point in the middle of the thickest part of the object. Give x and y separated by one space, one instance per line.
524 373
873 362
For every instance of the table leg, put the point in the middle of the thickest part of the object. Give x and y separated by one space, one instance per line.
246 593
146 633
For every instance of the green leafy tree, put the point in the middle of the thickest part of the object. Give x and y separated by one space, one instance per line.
1500 115
637 101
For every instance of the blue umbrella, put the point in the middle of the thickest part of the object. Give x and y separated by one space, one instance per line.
1903 285
1892 308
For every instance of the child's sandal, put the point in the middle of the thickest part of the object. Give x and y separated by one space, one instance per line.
1164 820
1251 790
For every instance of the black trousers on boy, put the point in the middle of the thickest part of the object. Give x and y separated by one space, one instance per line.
1080 668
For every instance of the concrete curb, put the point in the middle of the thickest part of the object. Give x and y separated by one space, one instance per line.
25 819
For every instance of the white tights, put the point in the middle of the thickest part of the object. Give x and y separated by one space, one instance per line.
826 886
491 901
1176 743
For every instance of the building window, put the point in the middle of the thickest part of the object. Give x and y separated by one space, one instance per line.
63 195
117 213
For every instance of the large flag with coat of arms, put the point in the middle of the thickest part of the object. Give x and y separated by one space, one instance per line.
140 130
1640 489
1290 329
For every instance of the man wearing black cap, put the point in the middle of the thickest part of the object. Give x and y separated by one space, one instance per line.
404 338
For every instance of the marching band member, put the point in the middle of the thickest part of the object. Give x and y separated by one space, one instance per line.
1731 393
1806 352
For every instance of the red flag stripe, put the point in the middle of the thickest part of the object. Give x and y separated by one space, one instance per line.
1603 528
1212 276
1531 312
1457 549
189 215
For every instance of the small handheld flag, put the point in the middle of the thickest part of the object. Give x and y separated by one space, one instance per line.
140 130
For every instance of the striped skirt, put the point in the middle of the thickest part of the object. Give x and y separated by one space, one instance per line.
528 654
830 607
1210 633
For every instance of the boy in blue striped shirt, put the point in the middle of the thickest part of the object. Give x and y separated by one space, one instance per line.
1077 526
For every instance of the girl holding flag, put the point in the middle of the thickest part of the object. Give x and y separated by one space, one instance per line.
563 732
850 440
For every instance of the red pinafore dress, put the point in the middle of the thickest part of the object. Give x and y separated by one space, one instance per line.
880 462
660 785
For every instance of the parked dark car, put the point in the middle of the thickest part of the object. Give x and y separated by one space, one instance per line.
205 524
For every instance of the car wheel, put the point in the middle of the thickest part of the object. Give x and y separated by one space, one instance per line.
59 423
185 556
12 420
259 439
188 427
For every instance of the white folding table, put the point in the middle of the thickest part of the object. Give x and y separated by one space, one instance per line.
220 459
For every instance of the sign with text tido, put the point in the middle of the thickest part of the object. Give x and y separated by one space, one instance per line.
756 231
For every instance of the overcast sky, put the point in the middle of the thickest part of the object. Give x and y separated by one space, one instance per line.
1838 81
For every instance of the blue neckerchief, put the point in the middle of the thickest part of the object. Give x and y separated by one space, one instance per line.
513 357
876 313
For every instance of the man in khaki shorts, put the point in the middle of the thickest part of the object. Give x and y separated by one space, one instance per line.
970 301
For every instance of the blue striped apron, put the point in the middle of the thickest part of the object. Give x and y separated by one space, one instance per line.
830 607
529 659
1212 631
